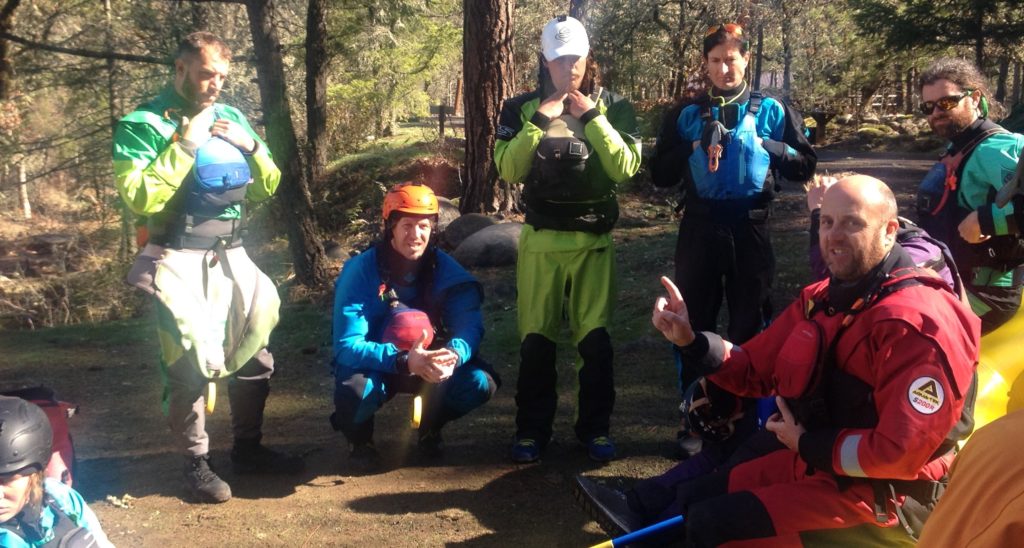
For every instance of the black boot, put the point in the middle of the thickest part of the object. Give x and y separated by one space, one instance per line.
431 445
249 456
606 506
203 483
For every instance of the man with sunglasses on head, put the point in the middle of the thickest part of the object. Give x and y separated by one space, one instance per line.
956 200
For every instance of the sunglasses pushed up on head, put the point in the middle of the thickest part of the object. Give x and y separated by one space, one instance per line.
946 103
730 28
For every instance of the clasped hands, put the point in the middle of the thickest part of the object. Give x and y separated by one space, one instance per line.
433 366
205 125
555 105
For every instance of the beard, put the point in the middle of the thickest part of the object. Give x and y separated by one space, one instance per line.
191 91
952 123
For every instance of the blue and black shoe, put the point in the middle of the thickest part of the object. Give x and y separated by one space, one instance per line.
601 449
525 451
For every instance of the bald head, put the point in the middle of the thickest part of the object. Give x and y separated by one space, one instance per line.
858 226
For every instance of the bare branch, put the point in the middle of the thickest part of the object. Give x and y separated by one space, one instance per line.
78 52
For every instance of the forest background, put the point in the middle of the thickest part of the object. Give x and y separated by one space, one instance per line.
325 80
343 92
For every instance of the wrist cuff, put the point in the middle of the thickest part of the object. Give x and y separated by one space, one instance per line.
255 148
589 115
402 363
540 120
189 147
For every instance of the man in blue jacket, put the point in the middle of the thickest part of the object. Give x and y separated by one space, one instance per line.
407 319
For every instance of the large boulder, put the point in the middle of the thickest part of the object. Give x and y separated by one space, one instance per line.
446 213
464 227
495 245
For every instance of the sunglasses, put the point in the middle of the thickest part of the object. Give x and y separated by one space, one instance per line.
944 103
731 28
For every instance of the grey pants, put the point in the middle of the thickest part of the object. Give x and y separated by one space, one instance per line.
186 402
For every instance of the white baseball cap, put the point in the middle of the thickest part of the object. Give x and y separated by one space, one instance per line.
564 35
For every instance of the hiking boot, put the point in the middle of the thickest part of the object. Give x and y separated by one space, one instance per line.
607 507
363 452
601 449
203 483
431 445
525 451
252 457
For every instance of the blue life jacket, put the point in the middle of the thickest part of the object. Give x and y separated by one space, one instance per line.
215 198
744 164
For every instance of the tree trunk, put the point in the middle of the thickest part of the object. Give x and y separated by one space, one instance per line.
316 88
1004 72
487 68
759 57
1016 83
578 9
26 207
294 200
787 58
6 63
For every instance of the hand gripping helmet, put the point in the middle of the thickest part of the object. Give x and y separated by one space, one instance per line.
710 411
26 438
412 198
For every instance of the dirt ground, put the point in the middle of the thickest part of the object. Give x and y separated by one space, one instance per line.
474 496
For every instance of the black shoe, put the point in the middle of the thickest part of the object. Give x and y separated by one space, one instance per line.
364 452
431 445
607 507
252 457
203 483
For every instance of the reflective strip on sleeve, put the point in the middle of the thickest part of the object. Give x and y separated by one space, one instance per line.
848 461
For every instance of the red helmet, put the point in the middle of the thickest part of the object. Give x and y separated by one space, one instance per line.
412 198
406 326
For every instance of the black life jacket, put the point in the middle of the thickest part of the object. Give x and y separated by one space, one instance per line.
564 190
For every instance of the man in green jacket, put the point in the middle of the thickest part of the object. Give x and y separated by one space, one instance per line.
186 164
571 142
956 201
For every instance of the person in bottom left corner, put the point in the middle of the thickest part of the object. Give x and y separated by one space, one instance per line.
37 511
383 347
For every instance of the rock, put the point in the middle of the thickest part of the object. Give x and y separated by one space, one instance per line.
496 245
844 119
463 227
447 212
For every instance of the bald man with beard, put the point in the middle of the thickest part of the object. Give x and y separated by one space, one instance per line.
871 369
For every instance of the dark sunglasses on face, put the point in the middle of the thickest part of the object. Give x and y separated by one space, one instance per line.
944 103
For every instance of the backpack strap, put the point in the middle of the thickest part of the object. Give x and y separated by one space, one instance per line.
955 162
755 103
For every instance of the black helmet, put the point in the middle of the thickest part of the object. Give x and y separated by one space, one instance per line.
26 438
711 412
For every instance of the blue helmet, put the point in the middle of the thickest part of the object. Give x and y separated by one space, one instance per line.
220 166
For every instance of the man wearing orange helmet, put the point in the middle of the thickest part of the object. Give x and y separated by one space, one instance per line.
383 347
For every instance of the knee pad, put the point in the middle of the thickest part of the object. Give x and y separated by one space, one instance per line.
737 516
537 348
596 346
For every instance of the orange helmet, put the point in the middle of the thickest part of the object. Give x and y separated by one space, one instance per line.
413 198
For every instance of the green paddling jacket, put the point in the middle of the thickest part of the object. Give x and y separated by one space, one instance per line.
611 135
151 164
